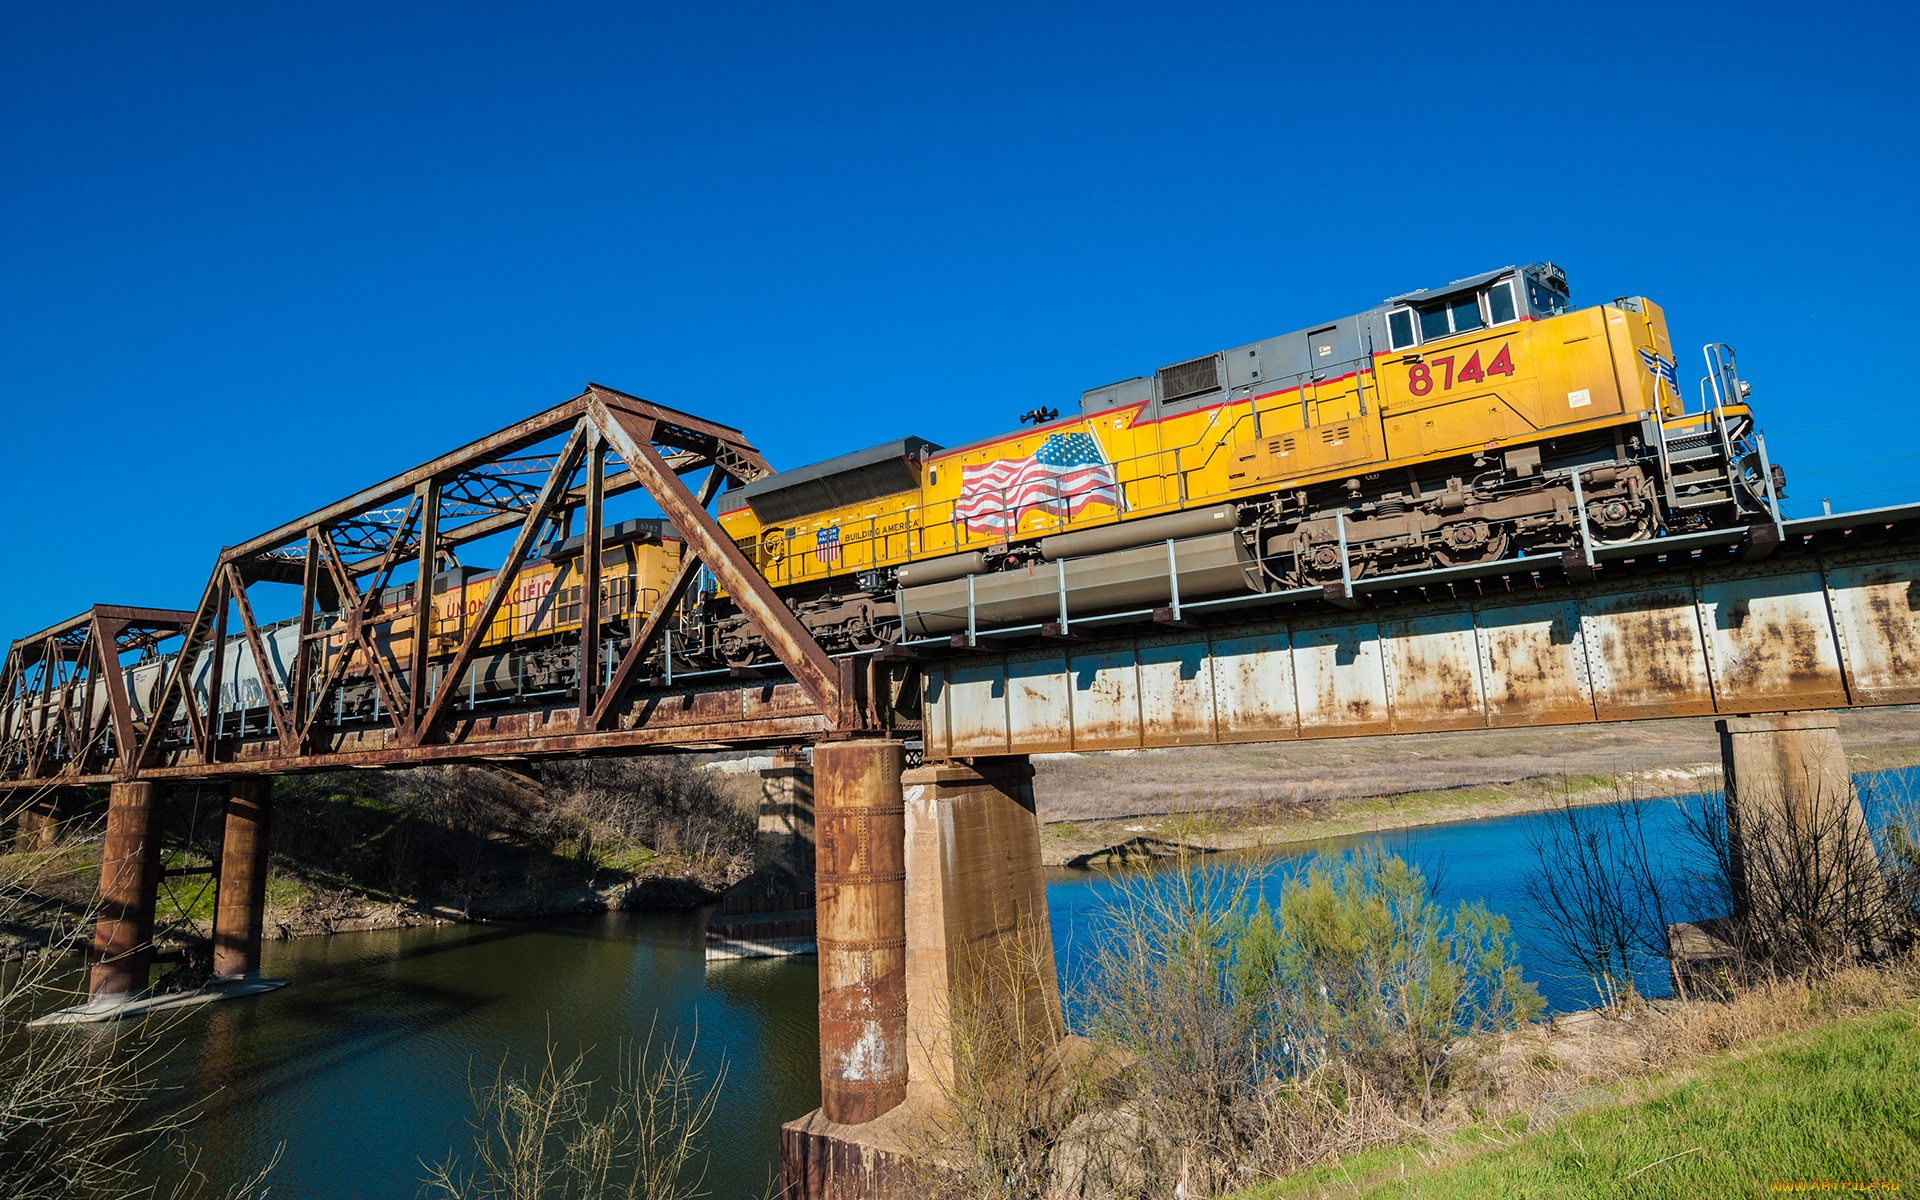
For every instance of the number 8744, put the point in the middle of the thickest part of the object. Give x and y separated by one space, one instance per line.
1420 375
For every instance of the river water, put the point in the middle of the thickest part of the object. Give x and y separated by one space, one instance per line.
361 1069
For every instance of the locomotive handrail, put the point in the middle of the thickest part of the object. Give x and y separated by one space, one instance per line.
781 567
1720 373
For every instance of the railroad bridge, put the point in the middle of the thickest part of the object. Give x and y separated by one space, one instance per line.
920 870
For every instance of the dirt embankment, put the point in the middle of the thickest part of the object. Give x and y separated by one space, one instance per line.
1098 807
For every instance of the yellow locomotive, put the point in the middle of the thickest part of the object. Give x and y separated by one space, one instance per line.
1449 426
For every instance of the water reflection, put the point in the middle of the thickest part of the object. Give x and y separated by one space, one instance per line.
365 1066
1487 859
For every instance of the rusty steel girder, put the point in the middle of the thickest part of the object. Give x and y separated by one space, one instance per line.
67 685
343 557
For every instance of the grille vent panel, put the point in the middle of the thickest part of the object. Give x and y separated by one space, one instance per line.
1190 378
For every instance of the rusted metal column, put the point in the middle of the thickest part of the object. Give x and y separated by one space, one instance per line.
859 819
239 912
129 886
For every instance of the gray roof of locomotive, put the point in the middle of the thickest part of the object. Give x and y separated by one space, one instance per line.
1326 351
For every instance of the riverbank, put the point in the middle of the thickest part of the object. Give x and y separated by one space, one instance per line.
1214 828
1102 808
360 851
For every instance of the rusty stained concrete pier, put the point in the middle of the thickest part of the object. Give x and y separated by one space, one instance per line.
977 949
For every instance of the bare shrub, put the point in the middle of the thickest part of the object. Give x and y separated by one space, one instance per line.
1806 884
1598 885
537 1134
1808 880
75 1100
998 1118
661 802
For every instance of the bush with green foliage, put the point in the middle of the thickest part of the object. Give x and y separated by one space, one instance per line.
1252 1026
1361 967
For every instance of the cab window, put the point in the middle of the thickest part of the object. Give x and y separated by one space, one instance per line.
1544 299
1400 328
1500 303
1455 314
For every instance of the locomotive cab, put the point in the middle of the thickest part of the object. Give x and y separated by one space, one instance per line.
1533 292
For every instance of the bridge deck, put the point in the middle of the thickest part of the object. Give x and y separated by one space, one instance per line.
1821 631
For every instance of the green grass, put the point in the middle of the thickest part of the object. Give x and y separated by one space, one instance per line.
1836 1104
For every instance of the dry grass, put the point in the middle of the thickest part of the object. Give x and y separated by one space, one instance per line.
1537 1075
1528 1111
80 1109
1781 1004
1020 1127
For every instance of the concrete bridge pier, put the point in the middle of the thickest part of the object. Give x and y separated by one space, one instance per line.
786 837
38 826
971 933
979 947
240 909
1790 799
1799 849
129 890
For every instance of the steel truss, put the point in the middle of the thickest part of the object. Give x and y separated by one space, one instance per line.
57 723
343 558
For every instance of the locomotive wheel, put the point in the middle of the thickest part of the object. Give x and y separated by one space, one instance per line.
1619 528
1319 564
1464 543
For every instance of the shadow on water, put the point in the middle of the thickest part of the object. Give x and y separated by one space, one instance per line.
364 1067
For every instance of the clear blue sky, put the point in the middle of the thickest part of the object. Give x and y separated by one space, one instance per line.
259 255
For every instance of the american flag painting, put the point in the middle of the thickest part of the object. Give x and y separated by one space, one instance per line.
826 546
1061 478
